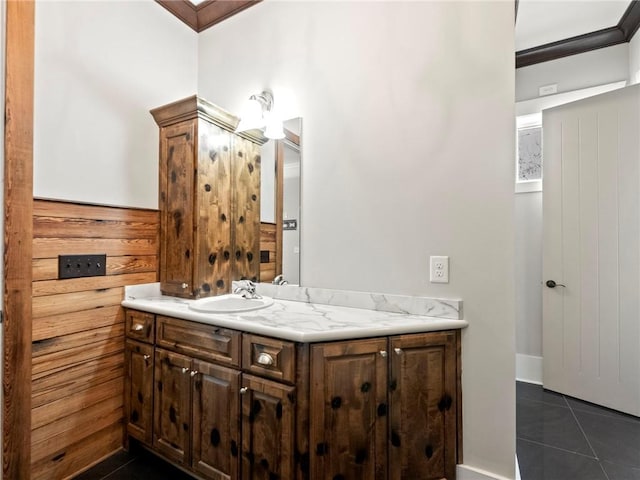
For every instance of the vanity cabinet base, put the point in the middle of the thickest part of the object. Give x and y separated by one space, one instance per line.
384 408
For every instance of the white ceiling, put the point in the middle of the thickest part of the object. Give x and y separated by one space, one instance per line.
543 21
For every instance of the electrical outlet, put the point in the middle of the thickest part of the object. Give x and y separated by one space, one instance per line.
439 269
76 266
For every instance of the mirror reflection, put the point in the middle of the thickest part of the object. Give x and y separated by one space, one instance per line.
280 207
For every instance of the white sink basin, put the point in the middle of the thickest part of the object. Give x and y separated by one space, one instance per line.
230 303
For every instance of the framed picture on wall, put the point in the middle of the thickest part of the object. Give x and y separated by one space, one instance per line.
529 153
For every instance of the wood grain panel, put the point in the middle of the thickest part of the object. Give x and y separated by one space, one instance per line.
245 201
71 428
47 268
72 302
66 323
52 247
213 203
18 207
176 207
268 244
58 385
46 413
66 343
77 361
64 359
68 460
47 227
53 287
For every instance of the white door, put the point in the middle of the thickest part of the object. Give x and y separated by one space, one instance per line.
591 326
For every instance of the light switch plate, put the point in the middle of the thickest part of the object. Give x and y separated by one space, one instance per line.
439 269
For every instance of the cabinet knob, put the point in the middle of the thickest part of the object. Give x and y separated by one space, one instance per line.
146 357
398 351
137 327
185 369
184 285
265 359
383 353
244 390
194 373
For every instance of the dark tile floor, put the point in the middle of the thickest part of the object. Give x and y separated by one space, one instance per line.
135 465
561 438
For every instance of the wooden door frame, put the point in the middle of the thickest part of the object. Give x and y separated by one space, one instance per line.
18 236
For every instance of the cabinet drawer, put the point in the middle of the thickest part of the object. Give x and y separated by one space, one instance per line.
269 357
199 340
139 325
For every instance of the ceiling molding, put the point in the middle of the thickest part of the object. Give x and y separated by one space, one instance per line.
208 13
607 37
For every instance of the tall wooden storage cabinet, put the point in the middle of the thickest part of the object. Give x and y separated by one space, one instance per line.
209 199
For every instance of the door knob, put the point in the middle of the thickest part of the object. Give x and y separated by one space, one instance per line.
552 284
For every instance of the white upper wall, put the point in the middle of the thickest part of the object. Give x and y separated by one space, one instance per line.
634 59
99 68
408 145
598 67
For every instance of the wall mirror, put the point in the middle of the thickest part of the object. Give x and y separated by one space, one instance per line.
280 206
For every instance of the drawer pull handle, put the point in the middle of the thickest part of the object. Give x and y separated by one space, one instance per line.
244 390
265 359
398 351
137 327
383 353
194 373
185 369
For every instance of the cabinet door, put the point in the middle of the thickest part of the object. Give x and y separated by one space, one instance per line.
245 198
138 399
349 410
177 166
216 421
423 406
172 402
267 429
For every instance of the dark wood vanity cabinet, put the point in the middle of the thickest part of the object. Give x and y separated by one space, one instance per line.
248 407
216 421
209 199
385 408
423 406
349 409
268 435
172 406
139 390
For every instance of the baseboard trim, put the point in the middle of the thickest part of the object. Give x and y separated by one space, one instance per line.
466 472
529 368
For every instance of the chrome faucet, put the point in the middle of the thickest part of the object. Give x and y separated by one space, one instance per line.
246 289
279 280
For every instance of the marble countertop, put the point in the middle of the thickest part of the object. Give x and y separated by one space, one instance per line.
315 315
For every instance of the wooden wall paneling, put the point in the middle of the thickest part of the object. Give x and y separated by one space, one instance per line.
78 330
55 386
50 247
71 428
213 186
47 268
66 323
268 244
68 460
245 203
18 207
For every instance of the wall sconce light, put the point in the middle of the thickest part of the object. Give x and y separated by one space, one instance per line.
259 114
